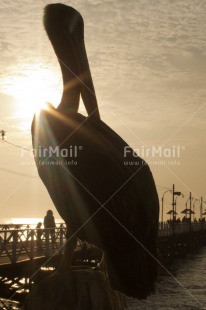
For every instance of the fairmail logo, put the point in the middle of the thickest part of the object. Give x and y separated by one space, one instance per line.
155 151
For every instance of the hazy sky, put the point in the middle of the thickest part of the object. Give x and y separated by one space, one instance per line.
148 61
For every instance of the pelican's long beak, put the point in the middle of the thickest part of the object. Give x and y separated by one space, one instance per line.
65 29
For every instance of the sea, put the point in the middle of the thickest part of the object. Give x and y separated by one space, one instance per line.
182 285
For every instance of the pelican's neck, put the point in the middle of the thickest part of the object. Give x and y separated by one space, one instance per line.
71 85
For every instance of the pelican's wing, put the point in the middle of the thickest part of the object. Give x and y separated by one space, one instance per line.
108 203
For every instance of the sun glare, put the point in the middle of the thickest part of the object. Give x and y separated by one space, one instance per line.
32 90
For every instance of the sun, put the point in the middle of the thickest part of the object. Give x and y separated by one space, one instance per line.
32 90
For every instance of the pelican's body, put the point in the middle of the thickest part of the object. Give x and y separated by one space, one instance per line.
102 200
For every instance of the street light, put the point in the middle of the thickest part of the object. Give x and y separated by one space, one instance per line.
169 190
190 198
186 202
174 193
175 208
201 208
194 207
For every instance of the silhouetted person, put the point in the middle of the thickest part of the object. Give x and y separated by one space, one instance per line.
39 233
49 222
184 220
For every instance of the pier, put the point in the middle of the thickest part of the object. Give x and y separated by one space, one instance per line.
21 243
26 259
176 240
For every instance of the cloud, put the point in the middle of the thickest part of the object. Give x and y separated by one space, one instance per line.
147 59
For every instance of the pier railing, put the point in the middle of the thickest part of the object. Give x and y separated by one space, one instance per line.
17 244
23 242
167 229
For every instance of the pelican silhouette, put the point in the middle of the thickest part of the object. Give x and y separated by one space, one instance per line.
81 161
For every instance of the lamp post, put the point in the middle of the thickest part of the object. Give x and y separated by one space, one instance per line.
189 199
201 201
169 190
176 201
187 202
174 193
194 207
201 208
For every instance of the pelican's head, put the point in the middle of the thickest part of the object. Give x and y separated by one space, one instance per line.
65 29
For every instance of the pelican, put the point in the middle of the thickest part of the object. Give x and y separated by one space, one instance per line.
81 161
